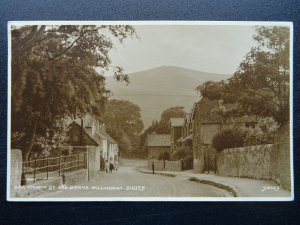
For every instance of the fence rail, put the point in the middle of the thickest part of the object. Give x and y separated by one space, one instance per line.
44 168
187 165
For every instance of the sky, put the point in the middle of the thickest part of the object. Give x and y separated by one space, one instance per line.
207 48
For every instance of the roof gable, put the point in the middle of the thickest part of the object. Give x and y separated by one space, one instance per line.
93 138
159 140
176 121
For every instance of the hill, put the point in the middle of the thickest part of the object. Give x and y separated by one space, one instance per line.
157 89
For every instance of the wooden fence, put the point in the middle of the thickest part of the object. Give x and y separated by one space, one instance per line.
44 168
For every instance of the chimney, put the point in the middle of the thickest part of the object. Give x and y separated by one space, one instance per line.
102 127
90 128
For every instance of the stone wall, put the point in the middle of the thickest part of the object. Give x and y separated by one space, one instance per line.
270 162
173 165
252 162
282 168
15 168
158 164
167 165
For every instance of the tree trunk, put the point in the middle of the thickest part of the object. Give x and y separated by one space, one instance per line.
216 160
31 142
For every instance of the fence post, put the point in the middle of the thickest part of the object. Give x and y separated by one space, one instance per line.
47 168
78 161
62 164
59 163
34 171
84 160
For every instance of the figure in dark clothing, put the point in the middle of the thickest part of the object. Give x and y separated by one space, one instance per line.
102 163
111 167
153 167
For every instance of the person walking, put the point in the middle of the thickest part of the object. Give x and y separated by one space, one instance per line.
152 167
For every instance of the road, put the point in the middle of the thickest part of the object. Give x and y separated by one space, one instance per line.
129 182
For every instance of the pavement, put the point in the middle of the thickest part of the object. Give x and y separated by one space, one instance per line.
238 187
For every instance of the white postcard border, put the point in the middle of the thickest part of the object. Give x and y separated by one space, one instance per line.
154 199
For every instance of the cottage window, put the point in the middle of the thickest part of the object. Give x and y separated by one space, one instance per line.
250 125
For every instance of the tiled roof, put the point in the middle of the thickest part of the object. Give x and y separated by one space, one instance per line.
98 135
177 121
109 138
156 140
96 138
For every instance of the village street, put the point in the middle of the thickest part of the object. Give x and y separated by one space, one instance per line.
129 182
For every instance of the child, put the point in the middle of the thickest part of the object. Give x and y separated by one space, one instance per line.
111 167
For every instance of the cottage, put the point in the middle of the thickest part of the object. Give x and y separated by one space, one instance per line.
87 131
207 123
158 143
187 137
176 129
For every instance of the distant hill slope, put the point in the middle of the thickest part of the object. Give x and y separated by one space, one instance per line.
159 88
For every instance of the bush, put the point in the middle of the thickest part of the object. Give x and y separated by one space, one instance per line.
264 132
189 158
181 153
228 138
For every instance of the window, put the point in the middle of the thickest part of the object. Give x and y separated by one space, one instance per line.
250 125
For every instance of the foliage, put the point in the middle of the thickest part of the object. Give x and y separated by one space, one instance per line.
16 138
54 74
124 123
164 156
228 138
55 141
181 153
263 133
260 86
189 158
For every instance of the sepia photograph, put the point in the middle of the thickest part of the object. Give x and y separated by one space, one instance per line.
150 111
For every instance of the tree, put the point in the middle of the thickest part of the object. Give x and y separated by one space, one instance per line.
54 75
55 140
123 119
260 86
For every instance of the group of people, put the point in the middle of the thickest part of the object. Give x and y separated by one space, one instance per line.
108 166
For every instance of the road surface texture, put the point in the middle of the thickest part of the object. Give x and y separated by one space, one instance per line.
129 182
